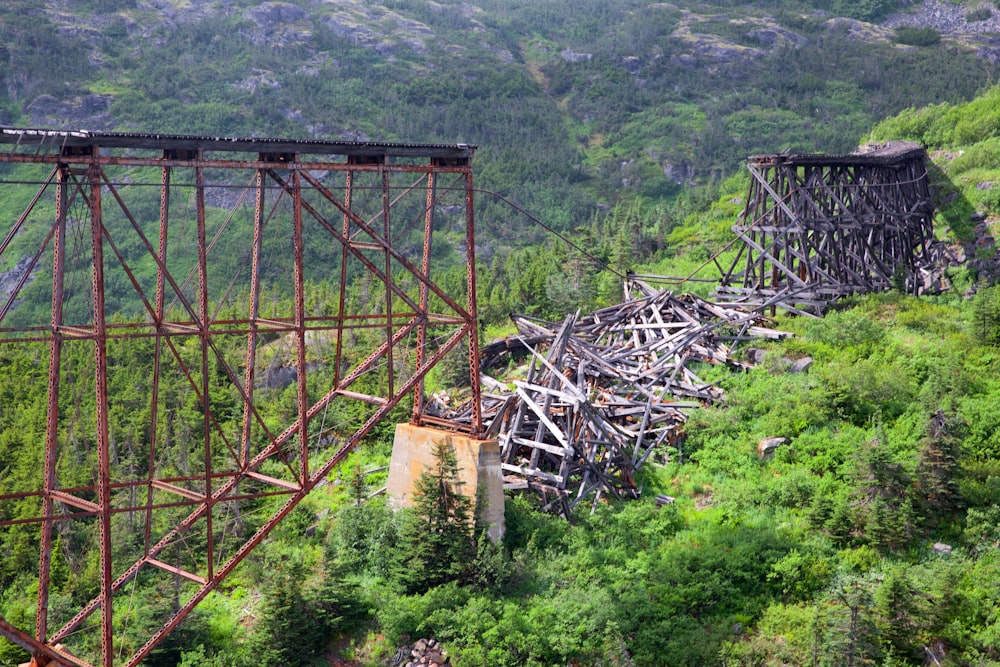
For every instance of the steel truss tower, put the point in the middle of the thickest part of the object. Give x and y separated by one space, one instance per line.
201 258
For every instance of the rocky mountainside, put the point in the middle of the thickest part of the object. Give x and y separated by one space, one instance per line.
573 107
977 26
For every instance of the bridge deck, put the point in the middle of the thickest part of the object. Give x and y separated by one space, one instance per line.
46 141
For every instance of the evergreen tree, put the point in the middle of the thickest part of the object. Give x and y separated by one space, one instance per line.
986 315
889 516
897 614
287 633
937 473
849 635
359 488
437 543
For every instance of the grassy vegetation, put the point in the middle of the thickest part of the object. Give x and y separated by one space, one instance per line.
870 537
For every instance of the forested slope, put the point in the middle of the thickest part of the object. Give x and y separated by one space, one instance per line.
595 116
575 106
871 536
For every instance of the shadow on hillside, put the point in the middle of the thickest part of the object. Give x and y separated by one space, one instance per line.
951 204
966 226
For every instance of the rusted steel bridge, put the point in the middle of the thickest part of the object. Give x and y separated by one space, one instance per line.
177 251
819 227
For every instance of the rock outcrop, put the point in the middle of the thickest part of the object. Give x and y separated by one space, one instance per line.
92 112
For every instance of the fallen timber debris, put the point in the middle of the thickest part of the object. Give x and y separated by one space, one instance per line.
604 392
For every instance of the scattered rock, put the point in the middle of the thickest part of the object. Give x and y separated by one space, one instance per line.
572 56
945 17
801 365
424 652
941 548
767 447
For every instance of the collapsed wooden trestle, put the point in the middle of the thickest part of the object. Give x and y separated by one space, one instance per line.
819 227
603 392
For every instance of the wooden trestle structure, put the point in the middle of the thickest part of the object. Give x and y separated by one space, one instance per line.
819 227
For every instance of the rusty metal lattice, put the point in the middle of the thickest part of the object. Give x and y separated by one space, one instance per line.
216 243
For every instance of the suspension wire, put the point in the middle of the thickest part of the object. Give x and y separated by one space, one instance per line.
549 229
669 280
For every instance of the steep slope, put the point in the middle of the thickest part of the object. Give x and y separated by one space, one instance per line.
573 106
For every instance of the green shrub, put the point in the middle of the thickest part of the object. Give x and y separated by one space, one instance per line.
982 13
912 36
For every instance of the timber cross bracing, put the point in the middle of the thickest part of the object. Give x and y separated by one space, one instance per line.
819 227
199 258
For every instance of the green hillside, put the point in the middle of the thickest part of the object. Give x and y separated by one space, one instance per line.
598 117
574 106
871 537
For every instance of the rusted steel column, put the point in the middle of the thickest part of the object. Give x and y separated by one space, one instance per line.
253 316
300 327
52 423
101 392
473 323
161 277
204 335
348 192
425 268
388 281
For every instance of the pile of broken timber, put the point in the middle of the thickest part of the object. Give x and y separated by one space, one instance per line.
604 392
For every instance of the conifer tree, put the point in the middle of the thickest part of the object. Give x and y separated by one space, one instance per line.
437 541
937 473
889 516
287 632
986 315
848 638
897 613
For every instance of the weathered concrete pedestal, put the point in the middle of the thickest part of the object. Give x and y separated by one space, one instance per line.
478 463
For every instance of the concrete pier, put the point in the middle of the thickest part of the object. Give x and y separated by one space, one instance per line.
478 463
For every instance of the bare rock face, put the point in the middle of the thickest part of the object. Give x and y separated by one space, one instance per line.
571 56
380 29
941 548
83 111
10 279
952 21
801 365
280 24
346 27
858 31
271 14
947 18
